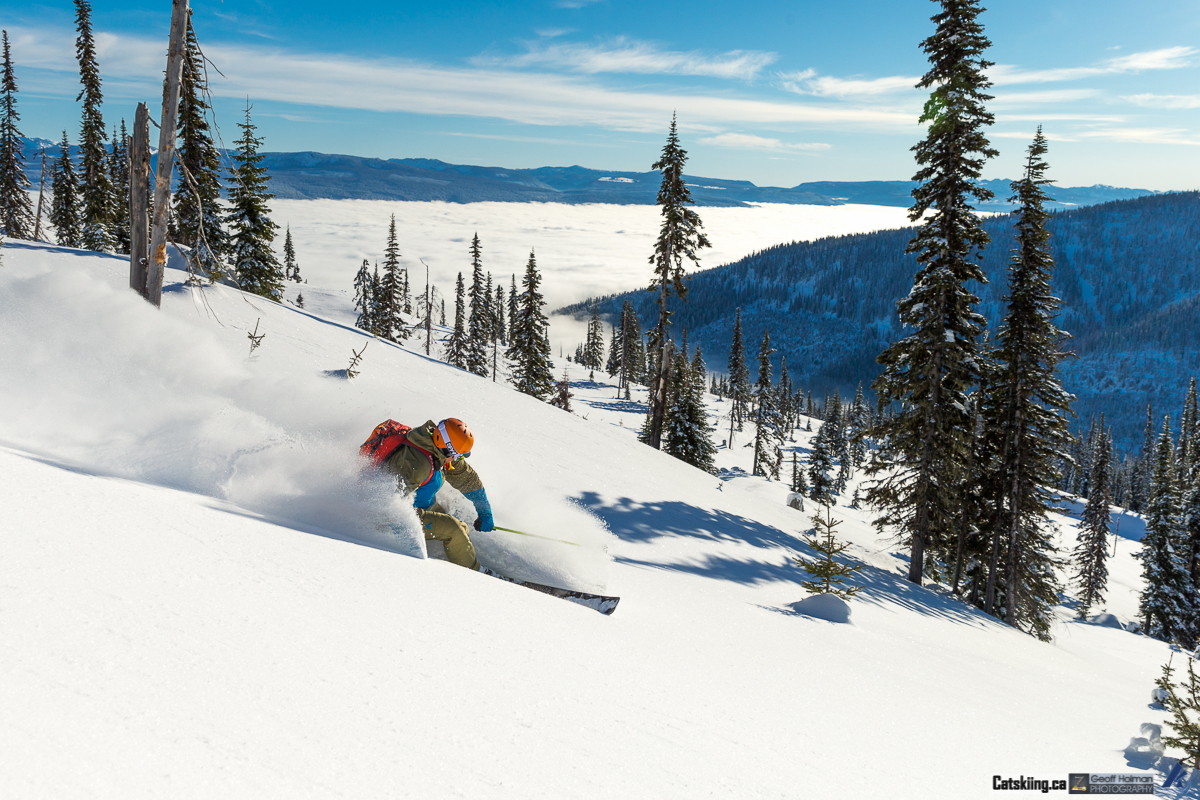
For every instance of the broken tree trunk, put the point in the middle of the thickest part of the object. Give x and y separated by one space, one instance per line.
166 153
139 200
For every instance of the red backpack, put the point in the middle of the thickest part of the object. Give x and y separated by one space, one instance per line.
386 439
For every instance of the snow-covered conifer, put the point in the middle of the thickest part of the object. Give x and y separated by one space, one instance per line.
1028 406
364 297
529 347
679 238
456 347
118 175
390 322
1167 603
16 209
65 209
739 379
251 230
768 424
686 433
291 270
478 323
820 467
95 186
1091 570
929 371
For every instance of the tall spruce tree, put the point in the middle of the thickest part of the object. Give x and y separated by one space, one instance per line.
929 372
820 467
478 326
1091 553
95 186
251 230
65 209
197 203
768 423
739 379
1167 603
679 238
16 209
456 346
529 347
1189 431
1027 405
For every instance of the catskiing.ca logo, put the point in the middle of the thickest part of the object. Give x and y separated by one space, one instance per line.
1024 783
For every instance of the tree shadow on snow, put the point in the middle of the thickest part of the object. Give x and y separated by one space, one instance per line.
632 521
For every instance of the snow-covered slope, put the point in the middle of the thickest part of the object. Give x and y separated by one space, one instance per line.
196 599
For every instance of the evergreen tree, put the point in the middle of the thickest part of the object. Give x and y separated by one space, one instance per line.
1167 603
478 327
679 238
118 174
96 188
1091 571
1027 407
390 322
739 379
593 349
768 425
64 210
197 203
1189 430
686 433
16 210
251 229
498 310
930 371
530 348
456 347
1191 541
1184 704
291 270
1144 469
857 424
562 394
613 365
633 352
364 299
829 575
798 483
820 465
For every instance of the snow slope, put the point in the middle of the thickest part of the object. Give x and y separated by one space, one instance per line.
197 600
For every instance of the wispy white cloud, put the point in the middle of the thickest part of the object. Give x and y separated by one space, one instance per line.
746 141
574 3
810 83
622 55
550 33
391 85
1169 101
1164 58
1142 135
1004 99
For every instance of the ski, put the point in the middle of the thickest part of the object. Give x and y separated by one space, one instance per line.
597 602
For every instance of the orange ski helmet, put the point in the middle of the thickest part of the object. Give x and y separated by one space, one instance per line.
454 437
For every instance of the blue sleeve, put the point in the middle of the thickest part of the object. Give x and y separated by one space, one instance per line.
424 496
482 507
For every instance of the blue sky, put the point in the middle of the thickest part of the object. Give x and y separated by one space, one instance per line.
774 92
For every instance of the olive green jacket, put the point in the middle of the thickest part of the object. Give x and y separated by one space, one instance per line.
412 468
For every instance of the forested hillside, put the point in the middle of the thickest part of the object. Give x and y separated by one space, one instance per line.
1128 273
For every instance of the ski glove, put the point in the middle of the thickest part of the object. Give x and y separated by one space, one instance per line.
483 508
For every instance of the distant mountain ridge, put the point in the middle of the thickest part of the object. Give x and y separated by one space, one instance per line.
311 176
1128 274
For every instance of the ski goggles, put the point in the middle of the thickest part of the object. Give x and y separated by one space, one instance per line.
455 456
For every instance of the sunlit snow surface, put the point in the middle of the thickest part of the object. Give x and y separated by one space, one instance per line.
196 600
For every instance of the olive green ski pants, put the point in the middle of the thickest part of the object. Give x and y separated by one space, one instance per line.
452 532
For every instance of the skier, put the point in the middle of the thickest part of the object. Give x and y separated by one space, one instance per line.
428 455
